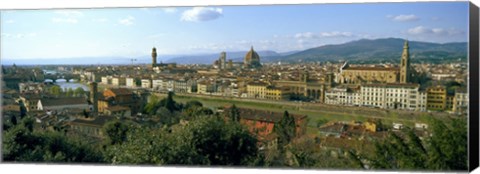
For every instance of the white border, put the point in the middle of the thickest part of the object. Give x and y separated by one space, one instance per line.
83 169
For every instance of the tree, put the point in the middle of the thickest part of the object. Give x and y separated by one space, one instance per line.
234 113
22 144
203 141
56 90
23 109
13 120
79 92
285 129
446 149
116 131
152 105
170 103
69 92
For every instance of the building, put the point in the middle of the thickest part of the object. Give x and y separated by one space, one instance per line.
405 70
131 82
252 59
119 81
312 89
180 86
257 90
94 96
261 123
343 96
437 98
375 74
460 102
120 97
57 104
147 83
91 127
392 96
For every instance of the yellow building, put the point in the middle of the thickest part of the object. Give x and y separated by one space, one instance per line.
358 75
436 98
275 93
257 90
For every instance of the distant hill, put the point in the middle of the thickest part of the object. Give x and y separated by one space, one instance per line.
380 49
360 51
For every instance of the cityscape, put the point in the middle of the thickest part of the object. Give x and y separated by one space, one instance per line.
378 103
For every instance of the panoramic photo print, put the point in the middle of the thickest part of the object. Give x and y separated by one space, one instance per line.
361 86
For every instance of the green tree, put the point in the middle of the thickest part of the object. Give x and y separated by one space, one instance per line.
116 131
23 109
234 113
56 90
203 141
446 149
79 92
170 104
69 92
13 120
24 145
285 129
152 106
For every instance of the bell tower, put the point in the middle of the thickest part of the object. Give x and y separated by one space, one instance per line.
405 65
154 57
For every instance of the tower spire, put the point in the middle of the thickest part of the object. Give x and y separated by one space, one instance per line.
405 64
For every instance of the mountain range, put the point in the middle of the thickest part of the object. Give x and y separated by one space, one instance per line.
363 50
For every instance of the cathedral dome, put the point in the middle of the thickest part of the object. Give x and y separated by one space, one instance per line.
252 55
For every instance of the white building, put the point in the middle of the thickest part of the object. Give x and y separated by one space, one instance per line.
342 96
393 96
147 83
118 81
157 85
460 102
130 82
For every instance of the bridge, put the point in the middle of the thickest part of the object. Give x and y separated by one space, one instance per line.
67 77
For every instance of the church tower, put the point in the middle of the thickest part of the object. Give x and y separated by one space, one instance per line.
405 65
154 57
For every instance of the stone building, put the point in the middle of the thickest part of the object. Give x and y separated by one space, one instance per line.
252 59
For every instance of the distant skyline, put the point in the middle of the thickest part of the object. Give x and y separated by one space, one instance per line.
132 32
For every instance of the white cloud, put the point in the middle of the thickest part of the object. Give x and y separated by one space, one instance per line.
403 18
101 20
310 35
19 35
336 34
198 14
305 35
127 21
9 21
69 13
169 10
65 20
419 30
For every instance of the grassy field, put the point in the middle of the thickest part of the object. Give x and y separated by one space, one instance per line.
313 114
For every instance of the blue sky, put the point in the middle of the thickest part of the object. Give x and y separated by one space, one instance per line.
132 32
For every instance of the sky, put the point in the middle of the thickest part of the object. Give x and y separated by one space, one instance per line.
132 32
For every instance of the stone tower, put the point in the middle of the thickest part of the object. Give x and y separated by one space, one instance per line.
405 65
154 57
223 60
93 96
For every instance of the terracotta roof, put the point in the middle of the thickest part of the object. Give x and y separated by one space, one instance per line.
121 91
63 101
